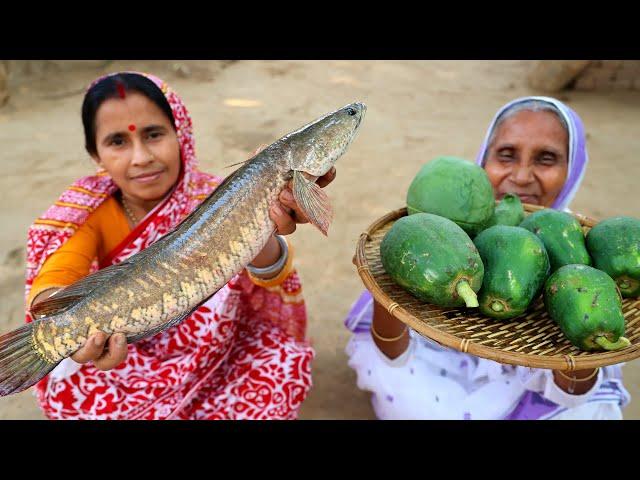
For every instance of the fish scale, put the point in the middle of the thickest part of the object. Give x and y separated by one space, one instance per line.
160 286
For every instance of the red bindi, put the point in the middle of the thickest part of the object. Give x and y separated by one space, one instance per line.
132 128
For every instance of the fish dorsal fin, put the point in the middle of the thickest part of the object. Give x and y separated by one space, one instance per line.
69 296
253 155
313 202
239 163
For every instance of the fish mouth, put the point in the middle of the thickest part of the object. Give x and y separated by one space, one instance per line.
361 109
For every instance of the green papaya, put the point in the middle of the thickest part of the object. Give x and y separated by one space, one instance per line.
434 259
614 246
455 189
516 266
508 212
562 236
587 307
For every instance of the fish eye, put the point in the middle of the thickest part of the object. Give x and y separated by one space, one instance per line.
351 111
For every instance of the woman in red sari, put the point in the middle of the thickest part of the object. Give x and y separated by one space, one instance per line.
242 354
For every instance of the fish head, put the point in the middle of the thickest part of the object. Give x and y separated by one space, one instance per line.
316 147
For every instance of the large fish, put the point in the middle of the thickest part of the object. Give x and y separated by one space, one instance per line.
162 285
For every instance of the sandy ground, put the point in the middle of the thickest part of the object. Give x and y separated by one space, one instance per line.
416 111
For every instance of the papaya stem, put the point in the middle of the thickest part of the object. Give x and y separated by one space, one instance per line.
623 284
497 307
608 345
465 292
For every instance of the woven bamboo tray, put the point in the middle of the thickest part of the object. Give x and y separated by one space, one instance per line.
532 340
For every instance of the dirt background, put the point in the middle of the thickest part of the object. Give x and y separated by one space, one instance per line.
416 111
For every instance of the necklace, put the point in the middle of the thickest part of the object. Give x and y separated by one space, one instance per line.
130 215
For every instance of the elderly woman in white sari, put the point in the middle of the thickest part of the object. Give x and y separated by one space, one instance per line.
535 148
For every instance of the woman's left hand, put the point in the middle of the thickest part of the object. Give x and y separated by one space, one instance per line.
286 213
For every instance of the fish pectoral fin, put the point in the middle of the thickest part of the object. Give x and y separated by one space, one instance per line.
69 296
313 201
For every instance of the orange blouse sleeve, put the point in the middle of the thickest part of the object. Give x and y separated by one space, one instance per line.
104 229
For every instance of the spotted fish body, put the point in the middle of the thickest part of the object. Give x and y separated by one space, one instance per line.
178 273
160 286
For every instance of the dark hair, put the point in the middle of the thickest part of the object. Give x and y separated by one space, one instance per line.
112 87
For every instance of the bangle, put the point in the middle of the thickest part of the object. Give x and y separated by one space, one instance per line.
388 339
272 270
279 278
574 379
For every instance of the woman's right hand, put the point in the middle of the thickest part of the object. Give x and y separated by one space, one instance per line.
106 352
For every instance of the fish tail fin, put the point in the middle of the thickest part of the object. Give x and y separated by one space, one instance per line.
21 366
